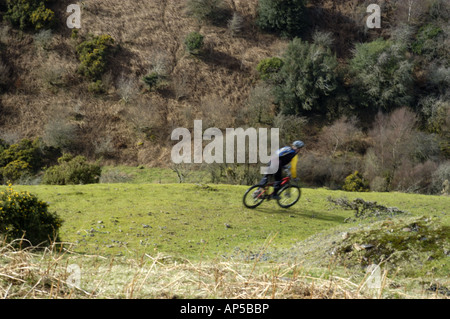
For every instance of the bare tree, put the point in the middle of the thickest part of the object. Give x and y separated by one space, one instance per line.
339 136
260 107
127 88
4 74
392 137
411 11
291 127
182 170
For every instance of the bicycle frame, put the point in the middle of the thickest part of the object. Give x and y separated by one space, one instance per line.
265 189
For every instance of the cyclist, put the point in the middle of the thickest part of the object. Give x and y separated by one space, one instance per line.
286 155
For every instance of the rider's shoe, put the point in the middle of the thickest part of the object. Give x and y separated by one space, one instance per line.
275 196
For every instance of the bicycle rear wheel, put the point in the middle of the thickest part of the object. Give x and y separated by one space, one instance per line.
253 198
289 195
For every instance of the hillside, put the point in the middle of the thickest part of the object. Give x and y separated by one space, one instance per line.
119 119
150 35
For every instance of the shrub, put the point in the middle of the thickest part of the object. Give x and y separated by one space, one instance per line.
414 178
25 157
93 55
341 137
440 10
235 24
194 42
127 89
30 13
24 215
4 144
59 133
5 76
307 79
15 170
435 112
97 87
355 183
382 75
154 80
267 67
210 11
439 178
74 35
42 17
323 38
26 151
259 107
379 184
286 17
325 171
43 38
291 127
426 40
72 170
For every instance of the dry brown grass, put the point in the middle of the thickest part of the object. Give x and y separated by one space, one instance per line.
27 273
151 37
30 274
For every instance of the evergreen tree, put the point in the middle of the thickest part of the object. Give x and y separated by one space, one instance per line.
284 16
307 79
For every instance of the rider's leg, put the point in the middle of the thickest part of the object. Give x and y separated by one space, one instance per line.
264 180
261 184
277 184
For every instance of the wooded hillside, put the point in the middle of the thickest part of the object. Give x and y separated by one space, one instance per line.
372 105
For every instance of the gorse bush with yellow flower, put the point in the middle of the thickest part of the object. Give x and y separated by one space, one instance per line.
93 54
23 215
29 14
25 158
72 171
15 170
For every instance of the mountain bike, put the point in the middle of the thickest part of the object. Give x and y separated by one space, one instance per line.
289 194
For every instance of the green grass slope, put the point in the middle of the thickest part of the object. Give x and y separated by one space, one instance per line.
208 224
179 219
193 220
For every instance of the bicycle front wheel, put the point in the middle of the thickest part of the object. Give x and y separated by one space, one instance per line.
289 195
253 197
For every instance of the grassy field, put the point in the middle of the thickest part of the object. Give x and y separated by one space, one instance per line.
186 220
207 224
